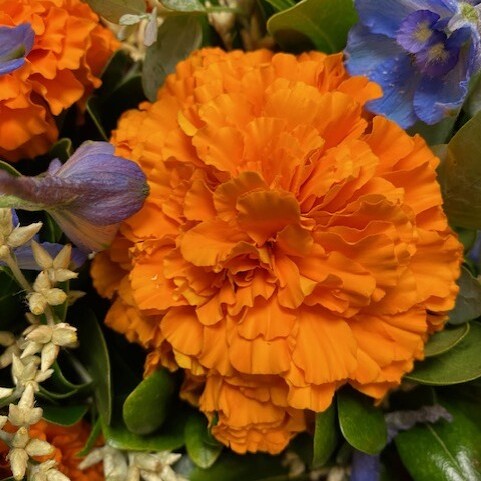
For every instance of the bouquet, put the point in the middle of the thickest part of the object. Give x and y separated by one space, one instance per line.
239 240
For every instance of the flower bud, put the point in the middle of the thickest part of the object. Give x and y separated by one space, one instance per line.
22 235
39 334
49 354
38 447
64 335
62 259
41 256
18 463
37 303
55 296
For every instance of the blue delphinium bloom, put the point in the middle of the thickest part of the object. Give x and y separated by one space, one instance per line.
422 53
15 44
88 196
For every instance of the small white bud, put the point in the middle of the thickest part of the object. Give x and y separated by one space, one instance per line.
42 283
22 416
64 335
55 296
55 475
41 256
30 349
41 334
21 235
5 392
20 438
38 447
6 222
148 462
6 338
49 354
37 303
62 260
61 275
94 457
18 462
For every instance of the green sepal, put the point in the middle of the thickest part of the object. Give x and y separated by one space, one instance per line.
325 436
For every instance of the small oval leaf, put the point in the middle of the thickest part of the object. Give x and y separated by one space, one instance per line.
64 415
145 408
468 301
325 436
445 340
460 364
361 423
112 10
201 447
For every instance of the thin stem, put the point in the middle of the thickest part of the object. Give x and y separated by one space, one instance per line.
17 273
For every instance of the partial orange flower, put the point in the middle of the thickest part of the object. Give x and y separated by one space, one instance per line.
291 242
67 441
70 49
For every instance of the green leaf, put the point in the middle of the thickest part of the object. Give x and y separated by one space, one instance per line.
232 467
65 415
183 5
325 436
177 38
445 340
460 364
50 230
94 109
460 176
61 385
9 169
201 447
112 10
280 5
445 451
468 302
93 436
324 23
62 150
169 437
145 408
93 354
361 423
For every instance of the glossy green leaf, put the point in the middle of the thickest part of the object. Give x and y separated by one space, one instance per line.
62 150
184 5
232 467
445 340
146 407
325 436
447 451
112 10
201 447
177 38
323 23
468 302
93 354
280 5
169 437
460 176
361 423
64 415
460 364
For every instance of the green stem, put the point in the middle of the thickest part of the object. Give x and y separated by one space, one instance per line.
17 273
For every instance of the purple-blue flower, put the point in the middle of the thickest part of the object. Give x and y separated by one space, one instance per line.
423 54
88 196
15 44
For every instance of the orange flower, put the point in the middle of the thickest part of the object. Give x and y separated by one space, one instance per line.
291 243
67 441
70 49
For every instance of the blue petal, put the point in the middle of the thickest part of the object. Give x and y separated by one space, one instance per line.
385 62
438 98
15 45
365 467
387 18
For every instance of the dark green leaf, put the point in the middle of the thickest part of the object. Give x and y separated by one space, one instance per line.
184 5
62 150
93 354
177 38
169 437
51 231
447 451
467 237
445 340
280 5
115 71
325 436
145 408
460 176
231 467
324 23
112 10
361 423
201 447
460 364
468 302
93 436
11 305
65 415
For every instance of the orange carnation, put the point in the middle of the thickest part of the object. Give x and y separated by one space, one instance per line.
70 49
291 243
67 441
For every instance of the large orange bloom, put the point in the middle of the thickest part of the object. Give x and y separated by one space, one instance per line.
290 243
71 47
67 441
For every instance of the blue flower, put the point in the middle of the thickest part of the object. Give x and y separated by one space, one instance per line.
422 53
15 44
88 196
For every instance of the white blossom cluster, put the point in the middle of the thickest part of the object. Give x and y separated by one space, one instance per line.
33 353
133 466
